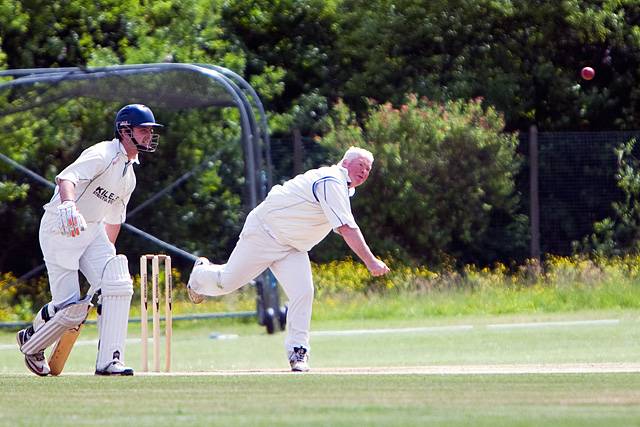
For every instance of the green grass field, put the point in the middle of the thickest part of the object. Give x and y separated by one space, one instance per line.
213 385
487 400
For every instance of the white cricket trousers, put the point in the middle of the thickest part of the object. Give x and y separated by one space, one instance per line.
256 251
64 256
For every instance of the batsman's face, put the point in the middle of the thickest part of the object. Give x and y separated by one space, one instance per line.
358 169
143 135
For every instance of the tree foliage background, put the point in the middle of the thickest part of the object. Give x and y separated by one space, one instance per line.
456 199
450 193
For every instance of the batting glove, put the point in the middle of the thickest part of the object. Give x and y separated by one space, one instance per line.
71 222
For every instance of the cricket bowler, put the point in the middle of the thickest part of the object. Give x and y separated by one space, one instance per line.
279 232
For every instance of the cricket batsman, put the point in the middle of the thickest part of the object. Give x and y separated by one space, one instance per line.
279 232
78 232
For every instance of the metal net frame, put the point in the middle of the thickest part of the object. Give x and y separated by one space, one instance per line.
170 86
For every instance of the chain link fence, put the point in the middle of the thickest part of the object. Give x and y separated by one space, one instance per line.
576 179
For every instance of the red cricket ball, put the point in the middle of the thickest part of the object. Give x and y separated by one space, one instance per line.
587 73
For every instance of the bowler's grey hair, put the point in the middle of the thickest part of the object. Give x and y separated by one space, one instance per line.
356 152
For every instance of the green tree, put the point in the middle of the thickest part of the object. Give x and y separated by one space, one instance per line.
522 57
294 36
45 34
442 183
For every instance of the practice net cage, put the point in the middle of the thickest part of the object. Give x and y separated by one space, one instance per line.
213 117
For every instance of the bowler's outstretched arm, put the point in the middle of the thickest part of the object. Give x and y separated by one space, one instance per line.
355 240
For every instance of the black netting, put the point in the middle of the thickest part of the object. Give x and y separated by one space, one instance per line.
576 183
70 109
172 88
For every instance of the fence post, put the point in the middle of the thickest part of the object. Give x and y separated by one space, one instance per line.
297 152
534 201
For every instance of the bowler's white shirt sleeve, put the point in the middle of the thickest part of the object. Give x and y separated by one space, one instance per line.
333 197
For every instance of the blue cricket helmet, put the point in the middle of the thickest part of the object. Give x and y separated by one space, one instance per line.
137 115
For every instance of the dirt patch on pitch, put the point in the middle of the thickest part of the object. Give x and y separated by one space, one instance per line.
510 369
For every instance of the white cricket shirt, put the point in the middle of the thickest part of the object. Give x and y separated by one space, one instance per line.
302 211
104 180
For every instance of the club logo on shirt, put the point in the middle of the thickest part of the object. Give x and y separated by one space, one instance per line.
105 195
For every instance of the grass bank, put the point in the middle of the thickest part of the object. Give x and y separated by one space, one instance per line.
345 289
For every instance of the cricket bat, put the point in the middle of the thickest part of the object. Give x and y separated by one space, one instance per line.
62 349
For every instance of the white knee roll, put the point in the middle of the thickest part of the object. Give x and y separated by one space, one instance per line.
116 280
117 288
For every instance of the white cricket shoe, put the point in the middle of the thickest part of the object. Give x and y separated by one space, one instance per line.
195 297
299 359
115 368
36 363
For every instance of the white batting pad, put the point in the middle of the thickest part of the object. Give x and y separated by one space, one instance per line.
66 318
117 289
